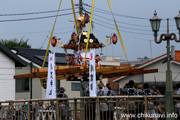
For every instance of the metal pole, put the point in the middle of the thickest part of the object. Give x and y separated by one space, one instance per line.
146 107
31 81
29 111
75 108
57 109
98 109
169 87
142 74
30 103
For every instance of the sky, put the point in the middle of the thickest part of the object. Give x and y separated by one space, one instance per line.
132 17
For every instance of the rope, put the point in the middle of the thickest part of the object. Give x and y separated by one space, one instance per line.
89 31
118 30
51 35
74 13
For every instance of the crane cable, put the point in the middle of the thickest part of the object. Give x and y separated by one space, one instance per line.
90 22
72 3
51 35
118 31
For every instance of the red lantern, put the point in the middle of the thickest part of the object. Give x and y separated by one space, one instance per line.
86 18
53 41
71 59
81 58
74 37
97 58
114 39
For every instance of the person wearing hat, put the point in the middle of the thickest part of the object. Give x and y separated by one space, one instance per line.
89 103
63 104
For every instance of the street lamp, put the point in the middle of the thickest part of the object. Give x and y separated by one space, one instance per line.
177 19
155 24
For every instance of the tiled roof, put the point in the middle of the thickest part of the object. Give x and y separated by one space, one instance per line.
14 57
177 58
37 56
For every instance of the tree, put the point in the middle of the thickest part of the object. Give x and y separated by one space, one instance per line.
15 43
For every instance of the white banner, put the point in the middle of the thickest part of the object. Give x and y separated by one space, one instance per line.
51 79
92 74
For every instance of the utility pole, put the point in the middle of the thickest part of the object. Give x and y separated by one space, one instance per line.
80 12
80 6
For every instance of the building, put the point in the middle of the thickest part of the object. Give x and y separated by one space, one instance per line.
8 62
158 78
34 59
110 61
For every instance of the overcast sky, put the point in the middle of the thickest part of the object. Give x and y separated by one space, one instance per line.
132 17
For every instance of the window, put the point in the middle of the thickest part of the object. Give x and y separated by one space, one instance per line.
22 85
75 86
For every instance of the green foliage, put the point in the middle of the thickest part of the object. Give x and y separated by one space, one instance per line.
15 43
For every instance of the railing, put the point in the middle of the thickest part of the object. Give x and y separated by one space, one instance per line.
89 108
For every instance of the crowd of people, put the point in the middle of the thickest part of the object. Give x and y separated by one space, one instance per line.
107 105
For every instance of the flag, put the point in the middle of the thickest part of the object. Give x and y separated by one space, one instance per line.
92 73
51 79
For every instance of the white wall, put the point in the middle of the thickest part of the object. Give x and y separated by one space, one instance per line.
69 92
159 76
36 86
67 85
136 78
7 82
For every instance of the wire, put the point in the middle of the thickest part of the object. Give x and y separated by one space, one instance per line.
45 40
25 33
121 30
176 76
63 28
129 27
119 21
64 32
121 26
117 14
35 18
147 26
33 32
121 15
35 12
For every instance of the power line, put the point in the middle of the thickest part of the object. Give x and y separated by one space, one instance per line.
35 12
45 40
34 32
25 33
121 26
117 14
121 30
64 32
13 20
129 27
118 21
146 26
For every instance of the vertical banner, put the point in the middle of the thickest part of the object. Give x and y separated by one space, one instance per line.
92 74
51 79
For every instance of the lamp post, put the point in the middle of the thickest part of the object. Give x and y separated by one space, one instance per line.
155 24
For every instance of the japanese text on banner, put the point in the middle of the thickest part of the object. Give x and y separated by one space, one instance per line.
51 79
92 73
